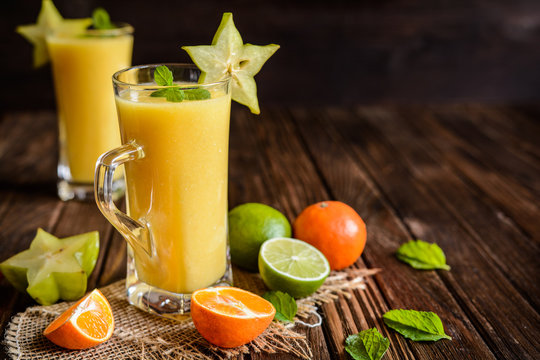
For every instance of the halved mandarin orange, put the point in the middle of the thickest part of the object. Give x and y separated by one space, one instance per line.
87 323
229 317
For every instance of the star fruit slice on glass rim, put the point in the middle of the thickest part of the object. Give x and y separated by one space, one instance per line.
228 55
53 268
49 20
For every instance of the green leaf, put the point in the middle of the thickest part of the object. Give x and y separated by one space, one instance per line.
160 93
197 94
422 255
284 303
101 19
416 325
163 76
367 345
174 95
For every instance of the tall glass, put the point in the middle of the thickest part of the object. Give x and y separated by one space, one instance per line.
176 165
82 68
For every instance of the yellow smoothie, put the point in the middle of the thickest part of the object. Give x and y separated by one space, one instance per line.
82 69
179 187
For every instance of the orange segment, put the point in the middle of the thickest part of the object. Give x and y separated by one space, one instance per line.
87 323
230 317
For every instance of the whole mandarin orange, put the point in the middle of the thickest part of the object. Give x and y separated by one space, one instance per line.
335 229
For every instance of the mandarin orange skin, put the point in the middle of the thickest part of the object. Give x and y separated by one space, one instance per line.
63 333
228 331
335 229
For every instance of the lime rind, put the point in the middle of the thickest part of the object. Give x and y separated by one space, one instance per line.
229 56
303 251
250 225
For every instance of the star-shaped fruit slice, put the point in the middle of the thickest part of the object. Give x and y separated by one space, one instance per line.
53 268
228 55
49 20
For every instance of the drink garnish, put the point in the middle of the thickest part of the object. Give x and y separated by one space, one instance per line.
164 77
229 56
101 19
49 20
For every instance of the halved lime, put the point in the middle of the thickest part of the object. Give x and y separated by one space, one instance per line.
53 268
292 266
250 225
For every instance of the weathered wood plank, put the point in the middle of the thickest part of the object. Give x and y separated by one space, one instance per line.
114 265
473 279
299 184
28 152
27 192
473 124
401 286
515 201
498 241
249 167
512 128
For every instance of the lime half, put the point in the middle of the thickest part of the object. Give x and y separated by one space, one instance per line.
292 266
250 225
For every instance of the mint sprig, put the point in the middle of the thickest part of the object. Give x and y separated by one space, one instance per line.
164 77
284 303
367 345
197 94
422 255
416 325
101 19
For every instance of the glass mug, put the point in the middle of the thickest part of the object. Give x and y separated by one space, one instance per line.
82 67
175 156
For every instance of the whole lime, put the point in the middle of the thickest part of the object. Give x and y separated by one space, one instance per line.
250 225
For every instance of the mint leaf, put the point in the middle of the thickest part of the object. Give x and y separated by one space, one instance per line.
160 93
284 303
422 255
163 76
174 95
367 345
101 19
197 94
416 325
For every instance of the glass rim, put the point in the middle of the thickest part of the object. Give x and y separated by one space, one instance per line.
120 29
140 86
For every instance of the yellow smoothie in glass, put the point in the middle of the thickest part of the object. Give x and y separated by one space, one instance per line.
179 188
82 69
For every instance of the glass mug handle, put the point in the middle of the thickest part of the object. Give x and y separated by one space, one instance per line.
136 233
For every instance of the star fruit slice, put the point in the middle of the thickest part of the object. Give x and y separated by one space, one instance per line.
53 268
49 21
228 55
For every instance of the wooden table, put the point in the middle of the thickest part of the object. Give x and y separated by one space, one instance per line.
465 177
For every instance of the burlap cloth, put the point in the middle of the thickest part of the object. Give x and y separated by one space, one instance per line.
139 335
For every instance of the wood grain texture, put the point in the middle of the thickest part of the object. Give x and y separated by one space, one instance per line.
464 176
472 273
402 286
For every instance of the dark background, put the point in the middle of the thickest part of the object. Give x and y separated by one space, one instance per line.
332 52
